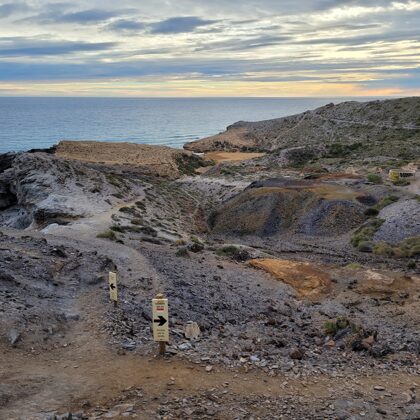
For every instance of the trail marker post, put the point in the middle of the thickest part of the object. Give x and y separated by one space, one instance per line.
160 321
113 289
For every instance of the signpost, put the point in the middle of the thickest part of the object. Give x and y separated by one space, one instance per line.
113 290
160 321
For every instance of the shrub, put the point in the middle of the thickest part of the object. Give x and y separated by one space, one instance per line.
195 240
386 201
411 265
182 252
137 221
155 241
371 211
117 228
365 246
108 234
405 249
374 178
401 183
384 249
366 232
353 266
330 328
234 253
188 164
126 210
147 230
140 204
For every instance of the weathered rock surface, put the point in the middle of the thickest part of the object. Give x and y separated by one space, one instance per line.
41 188
401 221
274 207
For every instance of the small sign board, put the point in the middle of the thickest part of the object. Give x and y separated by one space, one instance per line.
160 319
113 291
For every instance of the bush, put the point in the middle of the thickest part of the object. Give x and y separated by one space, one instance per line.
195 240
188 164
365 246
155 241
366 232
128 210
374 178
108 234
330 328
137 222
234 253
182 252
141 205
384 249
401 183
117 228
411 265
147 230
386 201
371 211
353 266
405 249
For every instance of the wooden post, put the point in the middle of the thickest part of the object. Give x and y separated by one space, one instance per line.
162 348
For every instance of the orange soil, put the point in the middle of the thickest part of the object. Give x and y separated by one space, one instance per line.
309 280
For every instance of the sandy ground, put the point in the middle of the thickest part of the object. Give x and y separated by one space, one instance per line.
219 157
159 159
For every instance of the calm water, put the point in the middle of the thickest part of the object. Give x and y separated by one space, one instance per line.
27 123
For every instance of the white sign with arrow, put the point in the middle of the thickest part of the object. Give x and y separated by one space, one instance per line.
160 319
113 291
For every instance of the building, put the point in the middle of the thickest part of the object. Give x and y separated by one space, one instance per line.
405 172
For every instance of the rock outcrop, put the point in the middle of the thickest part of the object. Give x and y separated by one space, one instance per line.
41 188
276 207
379 128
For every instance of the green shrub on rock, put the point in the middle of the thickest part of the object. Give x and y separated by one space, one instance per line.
374 178
108 234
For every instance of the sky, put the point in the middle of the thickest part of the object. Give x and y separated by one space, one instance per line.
229 48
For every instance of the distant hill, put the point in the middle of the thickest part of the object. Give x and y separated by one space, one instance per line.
388 128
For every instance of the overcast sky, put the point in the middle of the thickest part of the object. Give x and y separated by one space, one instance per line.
210 48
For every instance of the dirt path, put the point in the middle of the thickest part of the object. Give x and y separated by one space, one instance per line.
88 373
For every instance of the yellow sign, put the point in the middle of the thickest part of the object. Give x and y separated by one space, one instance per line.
113 291
160 319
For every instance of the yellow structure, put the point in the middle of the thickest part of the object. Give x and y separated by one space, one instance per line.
397 174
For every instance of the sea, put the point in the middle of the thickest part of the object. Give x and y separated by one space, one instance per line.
32 123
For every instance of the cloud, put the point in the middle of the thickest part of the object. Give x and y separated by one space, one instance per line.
179 25
244 44
29 47
9 9
54 15
261 41
391 36
125 25
87 16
